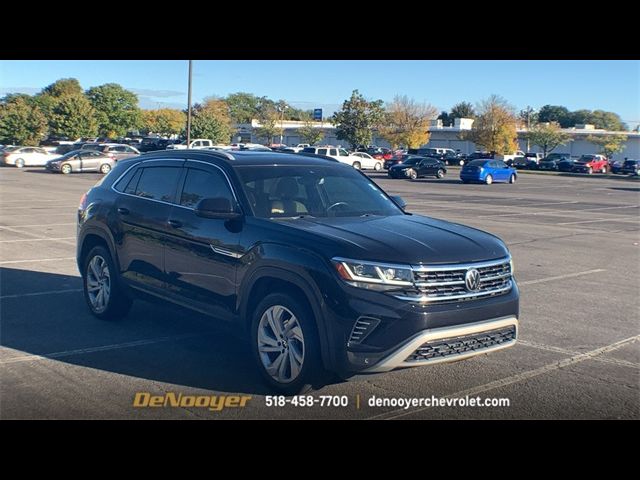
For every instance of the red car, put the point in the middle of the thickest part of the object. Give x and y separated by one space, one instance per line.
591 163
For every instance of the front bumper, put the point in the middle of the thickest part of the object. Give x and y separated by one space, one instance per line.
463 343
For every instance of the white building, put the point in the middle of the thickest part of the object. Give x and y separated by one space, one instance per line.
450 137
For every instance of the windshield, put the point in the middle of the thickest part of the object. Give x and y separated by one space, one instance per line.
313 191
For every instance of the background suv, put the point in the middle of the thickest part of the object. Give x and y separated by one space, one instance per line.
306 257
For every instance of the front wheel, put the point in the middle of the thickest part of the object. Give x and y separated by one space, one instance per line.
488 180
589 170
512 178
102 290
19 163
285 343
604 170
357 165
413 174
377 167
105 168
440 173
66 169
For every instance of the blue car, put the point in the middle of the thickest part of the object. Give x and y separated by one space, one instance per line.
488 171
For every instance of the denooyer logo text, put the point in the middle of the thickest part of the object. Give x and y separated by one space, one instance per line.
215 403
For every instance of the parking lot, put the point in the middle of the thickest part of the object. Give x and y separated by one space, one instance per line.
576 247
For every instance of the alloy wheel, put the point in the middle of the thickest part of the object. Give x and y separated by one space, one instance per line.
98 283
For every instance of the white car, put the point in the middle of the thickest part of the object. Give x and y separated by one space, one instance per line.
343 156
368 162
26 157
198 143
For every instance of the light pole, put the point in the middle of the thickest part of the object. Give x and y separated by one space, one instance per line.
189 107
282 107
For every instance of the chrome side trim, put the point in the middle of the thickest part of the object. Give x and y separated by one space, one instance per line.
224 251
460 296
397 359
460 266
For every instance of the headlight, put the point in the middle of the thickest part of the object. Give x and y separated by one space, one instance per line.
376 276
511 265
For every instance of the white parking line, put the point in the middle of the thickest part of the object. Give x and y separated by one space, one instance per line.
103 348
35 260
551 348
561 277
610 219
37 294
36 225
557 212
68 214
520 377
37 239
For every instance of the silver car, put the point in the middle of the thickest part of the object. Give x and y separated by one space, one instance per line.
82 161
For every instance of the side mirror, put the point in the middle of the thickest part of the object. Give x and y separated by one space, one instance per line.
397 199
218 207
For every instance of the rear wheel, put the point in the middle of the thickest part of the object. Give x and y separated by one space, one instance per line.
488 180
413 174
589 170
357 165
512 178
19 163
377 167
66 168
285 343
440 173
604 170
102 290
105 168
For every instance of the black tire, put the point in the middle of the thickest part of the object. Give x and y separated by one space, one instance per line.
440 173
357 165
118 304
312 370
19 163
66 168
589 170
105 168
413 175
512 178
488 179
465 181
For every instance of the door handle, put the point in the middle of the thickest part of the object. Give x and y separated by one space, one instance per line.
175 223
123 211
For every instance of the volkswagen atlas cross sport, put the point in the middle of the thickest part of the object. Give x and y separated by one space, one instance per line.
307 257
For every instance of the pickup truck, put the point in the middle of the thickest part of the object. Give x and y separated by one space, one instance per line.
195 144
298 148
508 159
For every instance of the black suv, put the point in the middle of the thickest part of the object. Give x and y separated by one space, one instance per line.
415 167
310 259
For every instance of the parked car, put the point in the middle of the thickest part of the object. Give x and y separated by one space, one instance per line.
152 144
535 157
488 171
379 153
81 161
398 157
314 264
454 158
509 158
566 164
341 155
479 155
26 156
615 166
416 167
631 167
550 162
591 163
194 144
118 151
368 162
524 163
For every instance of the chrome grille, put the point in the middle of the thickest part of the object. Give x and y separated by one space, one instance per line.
463 344
447 283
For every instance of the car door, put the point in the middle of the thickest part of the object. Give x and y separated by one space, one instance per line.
503 171
427 167
142 212
40 157
202 254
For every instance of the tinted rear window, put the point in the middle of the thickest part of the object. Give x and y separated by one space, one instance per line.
477 163
158 183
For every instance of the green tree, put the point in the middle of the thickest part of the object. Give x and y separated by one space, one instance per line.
406 122
21 121
63 87
447 120
357 118
548 136
528 117
310 134
607 120
164 121
495 126
211 120
244 107
73 117
462 110
116 109
269 125
555 113
609 144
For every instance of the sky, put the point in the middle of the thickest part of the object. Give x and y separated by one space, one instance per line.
577 84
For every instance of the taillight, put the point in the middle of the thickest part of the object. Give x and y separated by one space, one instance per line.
83 202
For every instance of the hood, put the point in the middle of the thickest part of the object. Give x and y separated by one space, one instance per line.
406 239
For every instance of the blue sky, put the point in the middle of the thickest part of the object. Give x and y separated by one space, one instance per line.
608 85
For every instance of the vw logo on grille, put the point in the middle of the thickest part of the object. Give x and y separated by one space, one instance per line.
472 280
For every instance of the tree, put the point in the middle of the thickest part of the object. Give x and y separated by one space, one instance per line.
607 120
548 136
73 117
495 126
406 122
354 123
310 134
528 117
269 125
164 121
211 120
63 87
555 113
116 109
243 107
609 144
21 121
462 110
447 120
